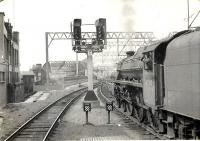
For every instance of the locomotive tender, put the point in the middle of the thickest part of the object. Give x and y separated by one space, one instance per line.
160 85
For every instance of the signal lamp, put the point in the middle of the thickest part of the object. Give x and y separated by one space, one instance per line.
77 29
100 29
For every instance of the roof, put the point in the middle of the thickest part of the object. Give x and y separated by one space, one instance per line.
153 46
2 12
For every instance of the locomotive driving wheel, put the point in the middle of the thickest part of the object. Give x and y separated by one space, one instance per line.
138 110
139 113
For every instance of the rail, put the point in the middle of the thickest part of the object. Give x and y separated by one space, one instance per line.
37 115
149 129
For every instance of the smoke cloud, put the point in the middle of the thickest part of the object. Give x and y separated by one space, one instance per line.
128 14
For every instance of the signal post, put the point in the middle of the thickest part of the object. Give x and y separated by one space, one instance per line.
89 46
90 69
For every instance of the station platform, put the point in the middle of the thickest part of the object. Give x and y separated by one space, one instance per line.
73 125
43 95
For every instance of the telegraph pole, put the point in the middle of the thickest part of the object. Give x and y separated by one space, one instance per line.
188 13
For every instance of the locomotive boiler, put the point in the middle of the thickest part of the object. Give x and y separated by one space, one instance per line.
130 68
160 85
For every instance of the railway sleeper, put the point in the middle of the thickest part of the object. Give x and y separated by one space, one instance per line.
35 130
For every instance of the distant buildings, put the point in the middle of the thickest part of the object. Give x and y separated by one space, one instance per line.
58 70
61 69
37 70
10 86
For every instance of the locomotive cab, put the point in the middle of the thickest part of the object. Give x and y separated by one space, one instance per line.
153 72
170 82
153 86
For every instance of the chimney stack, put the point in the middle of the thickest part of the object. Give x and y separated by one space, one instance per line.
16 37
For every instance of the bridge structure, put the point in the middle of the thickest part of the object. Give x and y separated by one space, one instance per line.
117 43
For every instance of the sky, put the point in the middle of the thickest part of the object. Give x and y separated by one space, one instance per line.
32 18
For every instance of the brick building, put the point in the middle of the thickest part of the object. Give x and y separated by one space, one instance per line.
10 86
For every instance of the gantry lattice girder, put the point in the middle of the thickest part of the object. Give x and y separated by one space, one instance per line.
131 42
108 54
109 35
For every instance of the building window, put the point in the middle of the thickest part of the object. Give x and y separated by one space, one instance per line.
2 76
6 48
148 62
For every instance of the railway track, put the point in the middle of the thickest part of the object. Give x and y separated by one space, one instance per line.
150 133
40 126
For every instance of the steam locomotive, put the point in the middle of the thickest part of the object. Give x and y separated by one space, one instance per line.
160 85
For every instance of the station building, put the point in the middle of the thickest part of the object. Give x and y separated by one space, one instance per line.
10 86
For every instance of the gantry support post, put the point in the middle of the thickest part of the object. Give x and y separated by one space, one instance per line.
47 61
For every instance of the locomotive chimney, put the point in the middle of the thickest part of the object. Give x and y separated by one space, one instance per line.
130 53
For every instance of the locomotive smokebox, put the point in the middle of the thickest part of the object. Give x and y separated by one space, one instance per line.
130 53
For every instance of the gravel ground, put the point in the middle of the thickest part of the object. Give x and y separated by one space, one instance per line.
15 114
72 126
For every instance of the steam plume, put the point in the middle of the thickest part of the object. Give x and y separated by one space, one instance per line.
128 14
